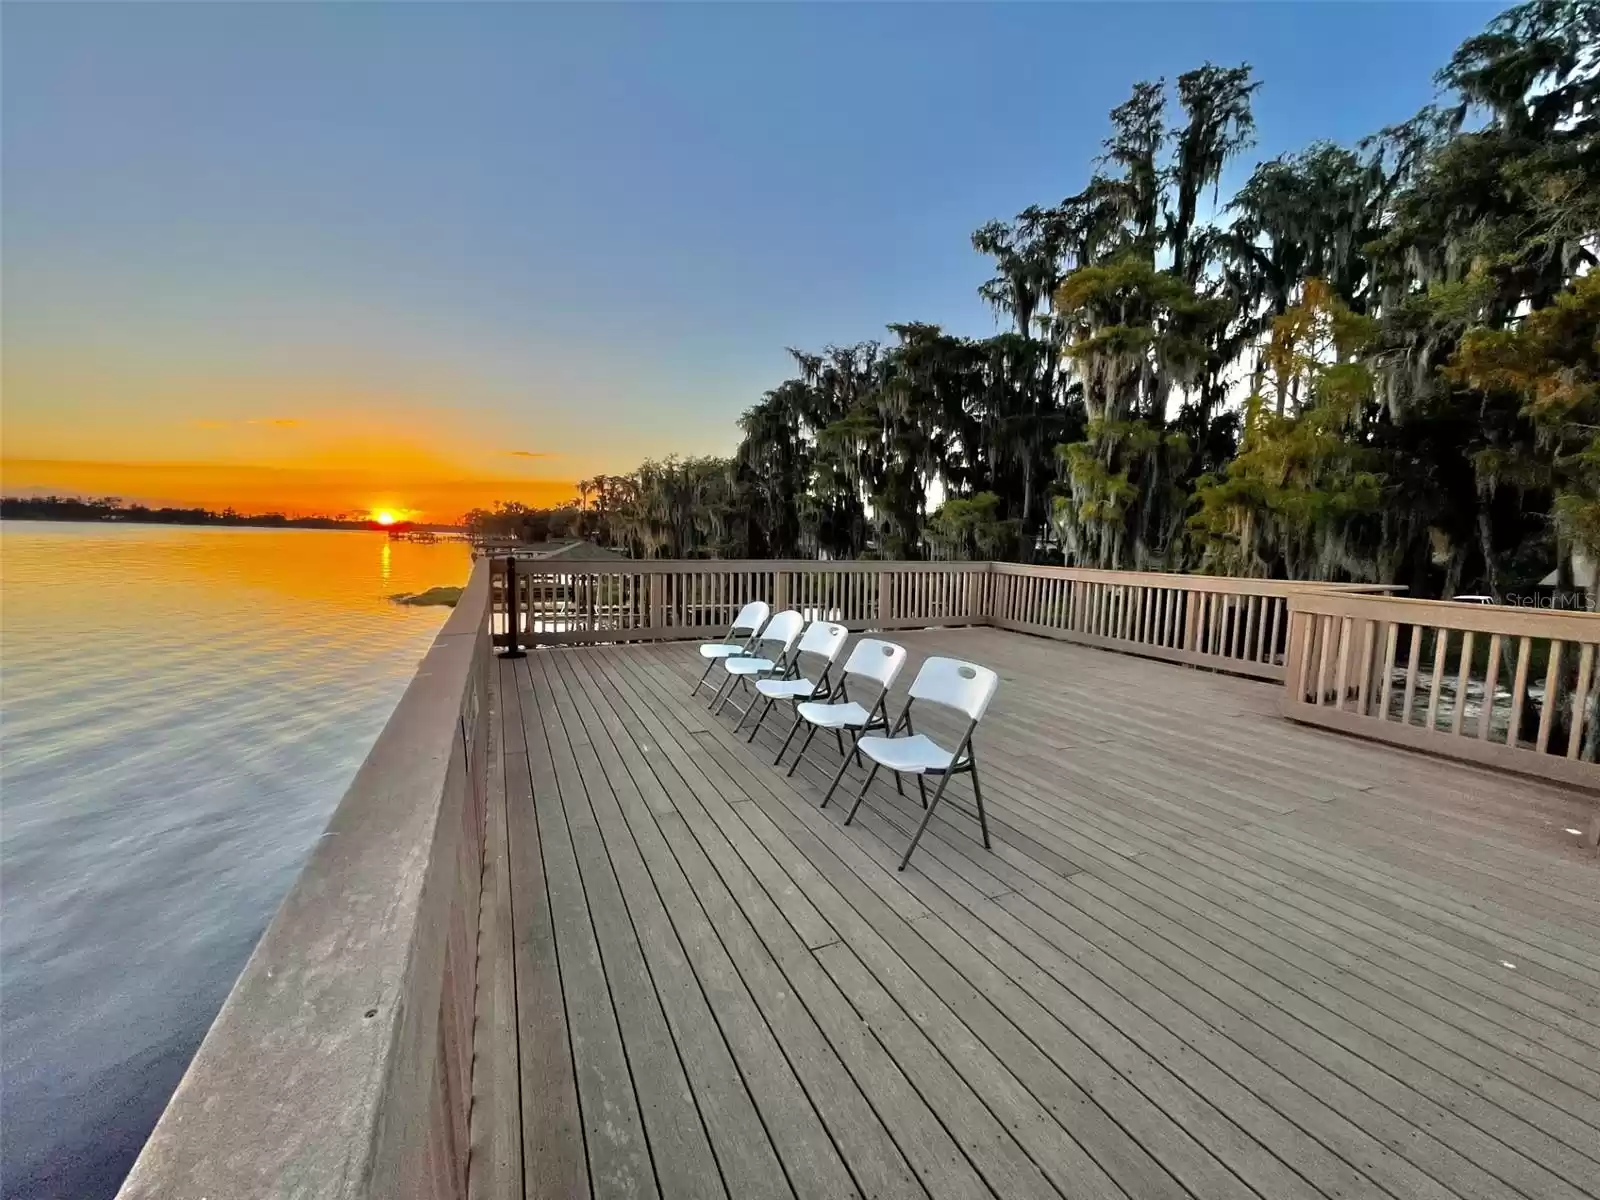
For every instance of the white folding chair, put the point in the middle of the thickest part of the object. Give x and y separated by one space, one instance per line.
822 640
770 655
749 621
965 687
871 662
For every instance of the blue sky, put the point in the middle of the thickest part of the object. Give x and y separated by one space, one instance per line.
585 230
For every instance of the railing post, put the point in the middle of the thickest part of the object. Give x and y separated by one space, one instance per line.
883 598
513 613
1293 654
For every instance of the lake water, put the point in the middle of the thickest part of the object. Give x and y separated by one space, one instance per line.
180 711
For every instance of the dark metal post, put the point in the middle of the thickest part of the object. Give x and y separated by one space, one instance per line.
513 650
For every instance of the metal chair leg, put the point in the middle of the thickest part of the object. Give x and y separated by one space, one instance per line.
716 695
862 794
923 789
983 822
723 703
811 733
704 675
745 712
844 765
756 728
784 749
938 794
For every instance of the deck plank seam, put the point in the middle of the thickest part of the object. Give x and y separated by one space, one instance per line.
1512 1150
843 1059
1109 1115
1210 893
777 966
1188 846
872 1029
699 982
526 667
605 847
728 740
1383 1069
910 1017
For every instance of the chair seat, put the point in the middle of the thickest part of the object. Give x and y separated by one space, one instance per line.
785 689
914 755
749 666
720 650
848 715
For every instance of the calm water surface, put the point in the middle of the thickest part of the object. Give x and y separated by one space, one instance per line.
180 710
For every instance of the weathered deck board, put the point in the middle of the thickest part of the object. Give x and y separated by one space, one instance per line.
1212 954
553 1149
495 1161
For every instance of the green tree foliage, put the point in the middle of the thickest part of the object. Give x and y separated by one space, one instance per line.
1297 498
1372 362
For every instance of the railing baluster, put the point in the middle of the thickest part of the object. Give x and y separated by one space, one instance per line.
1580 700
1519 687
1463 677
1364 688
1343 676
1552 688
1391 647
1441 649
1490 679
1411 673
1324 636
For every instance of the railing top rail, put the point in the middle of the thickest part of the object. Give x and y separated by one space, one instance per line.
712 566
1180 579
1505 619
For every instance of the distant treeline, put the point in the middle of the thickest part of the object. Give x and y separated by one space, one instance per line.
112 508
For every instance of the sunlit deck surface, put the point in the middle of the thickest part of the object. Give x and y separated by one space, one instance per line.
1212 953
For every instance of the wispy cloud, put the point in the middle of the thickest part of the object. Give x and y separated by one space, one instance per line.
280 422
533 454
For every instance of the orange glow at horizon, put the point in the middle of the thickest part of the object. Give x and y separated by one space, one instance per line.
426 449
429 493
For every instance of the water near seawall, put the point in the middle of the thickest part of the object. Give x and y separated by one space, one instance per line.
180 711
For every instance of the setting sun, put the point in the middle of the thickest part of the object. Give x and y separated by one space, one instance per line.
384 517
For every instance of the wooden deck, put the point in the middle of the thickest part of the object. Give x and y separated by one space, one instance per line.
1212 954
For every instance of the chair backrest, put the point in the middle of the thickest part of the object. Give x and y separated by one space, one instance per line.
782 630
824 639
876 660
963 686
751 617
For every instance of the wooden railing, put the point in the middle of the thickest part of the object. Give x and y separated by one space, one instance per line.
340 1065
655 600
1511 687
1235 625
